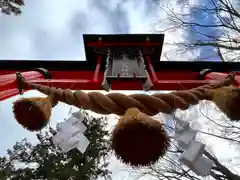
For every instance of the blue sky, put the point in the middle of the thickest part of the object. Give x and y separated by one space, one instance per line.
206 53
52 30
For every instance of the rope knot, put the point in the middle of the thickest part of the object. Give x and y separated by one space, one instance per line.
133 112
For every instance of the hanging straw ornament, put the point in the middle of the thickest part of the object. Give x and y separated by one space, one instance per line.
139 140
227 99
34 113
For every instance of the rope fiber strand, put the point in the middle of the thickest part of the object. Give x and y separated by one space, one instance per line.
137 139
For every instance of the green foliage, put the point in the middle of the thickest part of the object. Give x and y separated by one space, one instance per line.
11 7
52 164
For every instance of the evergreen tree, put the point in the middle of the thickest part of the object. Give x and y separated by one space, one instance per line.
52 164
10 7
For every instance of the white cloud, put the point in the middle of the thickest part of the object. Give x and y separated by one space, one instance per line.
53 29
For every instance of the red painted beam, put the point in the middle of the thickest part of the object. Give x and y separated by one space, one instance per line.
179 84
161 75
121 85
221 76
94 44
75 80
9 81
73 84
8 93
9 84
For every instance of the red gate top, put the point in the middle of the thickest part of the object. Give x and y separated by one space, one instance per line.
98 44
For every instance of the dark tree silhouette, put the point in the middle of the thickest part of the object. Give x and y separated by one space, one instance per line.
46 161
11 7
211 28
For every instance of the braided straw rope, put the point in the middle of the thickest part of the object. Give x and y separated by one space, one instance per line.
118 103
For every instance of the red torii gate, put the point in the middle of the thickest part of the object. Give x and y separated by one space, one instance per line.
89 74
121 62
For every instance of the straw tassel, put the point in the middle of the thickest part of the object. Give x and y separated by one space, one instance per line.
33 113
227 99
139 140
